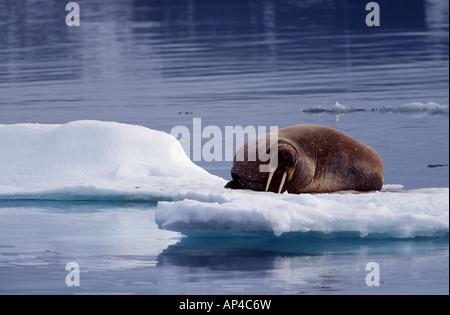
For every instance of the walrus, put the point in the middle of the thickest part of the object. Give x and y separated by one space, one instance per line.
307 159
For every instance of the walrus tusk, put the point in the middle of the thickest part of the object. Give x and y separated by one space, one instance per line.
282 182
269 180
273 164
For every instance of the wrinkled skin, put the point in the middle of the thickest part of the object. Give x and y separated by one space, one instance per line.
311 159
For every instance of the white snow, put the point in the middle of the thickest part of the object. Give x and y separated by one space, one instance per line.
94 160
422 212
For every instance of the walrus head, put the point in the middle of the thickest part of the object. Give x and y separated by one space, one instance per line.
283 160
277 169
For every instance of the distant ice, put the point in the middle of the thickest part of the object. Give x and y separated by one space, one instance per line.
336 109
429 108
92 160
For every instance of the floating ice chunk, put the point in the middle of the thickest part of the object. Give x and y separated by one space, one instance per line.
382 215
430 108
93 159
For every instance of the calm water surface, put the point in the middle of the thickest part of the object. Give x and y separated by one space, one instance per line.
119 249
229 63
234 63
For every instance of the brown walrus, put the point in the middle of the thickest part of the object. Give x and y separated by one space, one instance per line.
307 159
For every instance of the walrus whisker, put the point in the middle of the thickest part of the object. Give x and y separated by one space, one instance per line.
269 180
282 182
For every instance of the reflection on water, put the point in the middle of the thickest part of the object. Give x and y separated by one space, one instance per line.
302 265
120 250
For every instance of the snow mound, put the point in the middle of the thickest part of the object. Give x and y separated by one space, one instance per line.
95 160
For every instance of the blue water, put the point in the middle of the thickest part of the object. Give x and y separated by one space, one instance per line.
230 63
119 249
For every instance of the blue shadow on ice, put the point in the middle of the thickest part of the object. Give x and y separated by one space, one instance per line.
296 244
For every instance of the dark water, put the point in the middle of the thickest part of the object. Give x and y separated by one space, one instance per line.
162 63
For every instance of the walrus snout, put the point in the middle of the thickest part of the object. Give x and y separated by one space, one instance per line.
234 184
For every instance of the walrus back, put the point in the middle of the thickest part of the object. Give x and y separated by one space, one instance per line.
341 162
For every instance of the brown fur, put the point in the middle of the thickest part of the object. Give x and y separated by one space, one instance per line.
322 160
